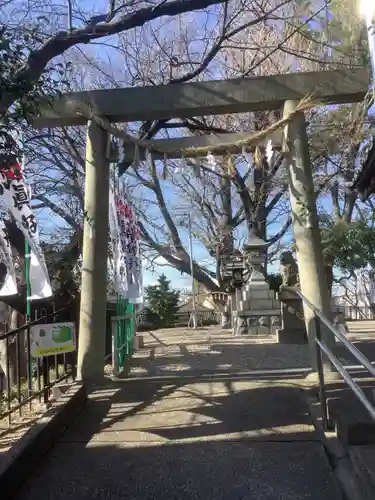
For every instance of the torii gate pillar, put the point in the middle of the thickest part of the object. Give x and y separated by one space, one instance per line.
92 323
306 231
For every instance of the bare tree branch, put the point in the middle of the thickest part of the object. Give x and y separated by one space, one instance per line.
183 265
30 72
59 211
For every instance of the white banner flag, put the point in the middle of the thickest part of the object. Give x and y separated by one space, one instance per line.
15 194
125 243
9 287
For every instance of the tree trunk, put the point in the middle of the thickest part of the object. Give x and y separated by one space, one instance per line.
259 220
329 274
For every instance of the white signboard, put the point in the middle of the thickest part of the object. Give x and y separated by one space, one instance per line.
51 339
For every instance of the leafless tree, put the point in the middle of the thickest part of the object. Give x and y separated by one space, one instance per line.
151 55
233 39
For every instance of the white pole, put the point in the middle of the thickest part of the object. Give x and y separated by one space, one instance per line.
194 315
115 283
371 44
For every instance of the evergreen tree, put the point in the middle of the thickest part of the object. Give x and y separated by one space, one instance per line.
163 301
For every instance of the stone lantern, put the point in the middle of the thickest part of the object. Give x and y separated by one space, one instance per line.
257 310
256 250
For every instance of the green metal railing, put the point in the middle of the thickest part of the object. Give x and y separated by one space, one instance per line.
123 331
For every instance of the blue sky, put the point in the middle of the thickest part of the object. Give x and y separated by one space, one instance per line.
200 255
48 223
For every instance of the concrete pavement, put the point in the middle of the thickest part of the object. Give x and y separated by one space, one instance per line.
223 436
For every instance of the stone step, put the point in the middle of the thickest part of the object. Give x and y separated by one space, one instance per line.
291 337
354 425
361 326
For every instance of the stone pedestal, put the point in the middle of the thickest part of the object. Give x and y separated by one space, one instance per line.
338 313
258 311
225 316
293 329
138 342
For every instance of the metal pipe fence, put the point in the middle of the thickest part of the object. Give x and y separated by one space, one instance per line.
321 348
204 318
354 313
24 379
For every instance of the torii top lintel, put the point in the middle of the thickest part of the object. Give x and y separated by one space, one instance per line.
213 97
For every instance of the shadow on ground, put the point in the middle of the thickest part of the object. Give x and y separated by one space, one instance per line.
214 439
218 357
189 358
367 347
10 434
216 470
212 434
183 410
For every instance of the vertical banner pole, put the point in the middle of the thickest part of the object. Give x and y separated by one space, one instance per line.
115 358
194 315
27 246
27 280
27 277
28 310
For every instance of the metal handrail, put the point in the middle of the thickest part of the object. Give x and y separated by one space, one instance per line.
348 379
322 347
356 352
121 318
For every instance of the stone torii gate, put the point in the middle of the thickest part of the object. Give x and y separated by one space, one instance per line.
182 101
